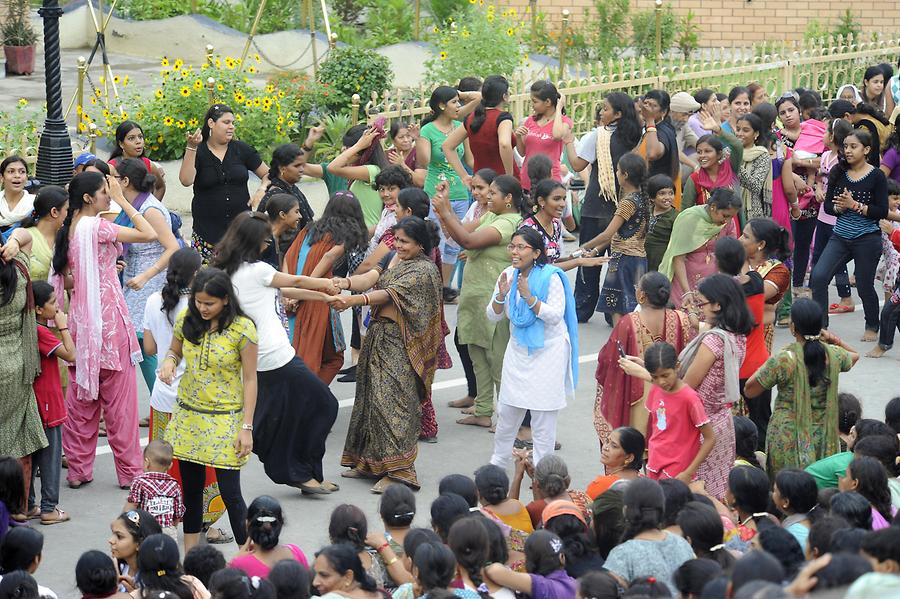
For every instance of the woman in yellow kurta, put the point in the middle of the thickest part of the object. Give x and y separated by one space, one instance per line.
212 424
50 208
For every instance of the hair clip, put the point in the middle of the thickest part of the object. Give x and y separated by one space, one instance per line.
133 517
651 579
266 519
717 547
160 572
812 337
556 545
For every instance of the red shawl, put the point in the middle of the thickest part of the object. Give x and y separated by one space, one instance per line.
704 184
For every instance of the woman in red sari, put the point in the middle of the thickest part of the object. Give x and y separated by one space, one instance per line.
619 397
316 251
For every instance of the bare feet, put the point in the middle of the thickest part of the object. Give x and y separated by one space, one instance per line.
869 336
875 352
469 410
466 402
482 421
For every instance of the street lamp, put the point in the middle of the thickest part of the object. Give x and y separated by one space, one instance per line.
54 160
657 12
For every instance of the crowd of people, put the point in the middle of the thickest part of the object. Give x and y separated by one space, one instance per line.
707 220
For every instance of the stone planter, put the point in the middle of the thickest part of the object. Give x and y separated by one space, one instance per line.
19 60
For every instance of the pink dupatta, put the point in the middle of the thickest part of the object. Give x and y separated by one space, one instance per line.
86 319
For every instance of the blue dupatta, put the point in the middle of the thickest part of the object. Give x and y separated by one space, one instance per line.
527 328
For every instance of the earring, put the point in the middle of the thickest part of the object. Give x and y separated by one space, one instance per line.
536 208
508 205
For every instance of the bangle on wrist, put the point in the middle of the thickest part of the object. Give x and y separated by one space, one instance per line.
499 301
534 303
190 149
391 562
63 329
246 427
381 548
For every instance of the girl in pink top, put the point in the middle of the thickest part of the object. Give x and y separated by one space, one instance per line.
681 435
543 131
262 551
106 347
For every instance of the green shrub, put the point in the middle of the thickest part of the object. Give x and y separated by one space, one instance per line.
688 37
348 11
815 29
605 30
847 25
349 71
147 10
388 22
303 98
445 10
483 43
643 31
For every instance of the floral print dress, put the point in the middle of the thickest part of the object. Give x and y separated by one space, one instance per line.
208 416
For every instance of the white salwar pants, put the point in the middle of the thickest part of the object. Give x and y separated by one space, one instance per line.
509 419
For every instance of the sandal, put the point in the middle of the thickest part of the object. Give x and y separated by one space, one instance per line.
840 309
57 517
220 538
327 484
381 485
77 484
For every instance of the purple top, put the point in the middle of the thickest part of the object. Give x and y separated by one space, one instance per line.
891 159
556 585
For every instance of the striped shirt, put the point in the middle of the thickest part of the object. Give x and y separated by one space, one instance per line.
159 494
870 190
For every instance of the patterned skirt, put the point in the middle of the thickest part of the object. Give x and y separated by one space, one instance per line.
206 249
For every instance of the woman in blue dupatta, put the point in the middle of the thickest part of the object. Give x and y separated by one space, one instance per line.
540 367
321 248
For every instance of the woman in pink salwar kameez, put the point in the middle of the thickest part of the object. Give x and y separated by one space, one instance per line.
103 376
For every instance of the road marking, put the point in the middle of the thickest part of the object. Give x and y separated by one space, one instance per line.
346 403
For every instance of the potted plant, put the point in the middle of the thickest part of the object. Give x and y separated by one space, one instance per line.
19 38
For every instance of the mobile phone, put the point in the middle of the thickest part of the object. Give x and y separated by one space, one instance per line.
619 347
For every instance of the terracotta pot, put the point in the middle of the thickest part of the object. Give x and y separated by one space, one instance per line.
19 60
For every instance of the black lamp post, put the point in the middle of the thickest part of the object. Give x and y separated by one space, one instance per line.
54 161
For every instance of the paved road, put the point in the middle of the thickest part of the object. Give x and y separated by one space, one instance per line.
460 449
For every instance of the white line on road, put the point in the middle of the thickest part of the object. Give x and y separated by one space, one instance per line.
346 403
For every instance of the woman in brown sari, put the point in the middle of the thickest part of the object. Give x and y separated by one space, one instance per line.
314 329
619 397
398 357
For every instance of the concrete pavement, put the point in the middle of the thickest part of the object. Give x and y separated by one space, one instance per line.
459 449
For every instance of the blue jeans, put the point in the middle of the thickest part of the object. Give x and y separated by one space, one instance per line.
49 460
841 278
865 252
449 248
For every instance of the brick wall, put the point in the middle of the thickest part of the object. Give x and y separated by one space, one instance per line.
741 22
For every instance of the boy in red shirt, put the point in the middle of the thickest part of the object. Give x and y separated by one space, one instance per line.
51 405
890 314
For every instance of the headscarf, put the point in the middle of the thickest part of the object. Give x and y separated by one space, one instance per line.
857 97
692 228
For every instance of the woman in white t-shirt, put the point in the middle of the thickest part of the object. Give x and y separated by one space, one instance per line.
294 410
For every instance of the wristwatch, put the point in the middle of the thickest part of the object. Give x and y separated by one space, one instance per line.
246 427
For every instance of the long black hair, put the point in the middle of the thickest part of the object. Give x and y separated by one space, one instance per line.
493 91
343 558
870 73
806 316
469 541
758 127
140 525
183 265
883 448
435 565
122 132
417 202
265 521
853 507
577 538
377 157
492 483
397 506
872 483
645 506
799 488
750 488
545 90
48 198
343 220
21 546
865 138
12 485
243 241
633 443
733 315
628 127
776 237
702 526
348 525
159 568
290 579
442 94
82 184
216 283
746 439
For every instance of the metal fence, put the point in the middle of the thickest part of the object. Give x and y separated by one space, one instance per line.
823 65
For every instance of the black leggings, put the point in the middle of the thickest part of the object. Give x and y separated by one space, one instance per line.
463 351
193 479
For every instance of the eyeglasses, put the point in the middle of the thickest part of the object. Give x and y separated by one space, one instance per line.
519 247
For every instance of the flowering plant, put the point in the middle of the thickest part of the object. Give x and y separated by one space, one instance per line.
182 96
21 131
480 41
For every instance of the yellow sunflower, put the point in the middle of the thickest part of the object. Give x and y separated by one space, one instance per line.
125 80
251 69
180 124
198 85
164 62
270 88
257 58
185 91
239 97
510 32
23 102
192 123
178 64
185 73
167 121
229 62
443 55
220 87
159 93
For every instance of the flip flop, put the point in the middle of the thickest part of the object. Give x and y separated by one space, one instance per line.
840 309
221 539
61 517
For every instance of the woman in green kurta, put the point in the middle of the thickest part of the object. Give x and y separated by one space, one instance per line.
486 257
21 431
804 424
